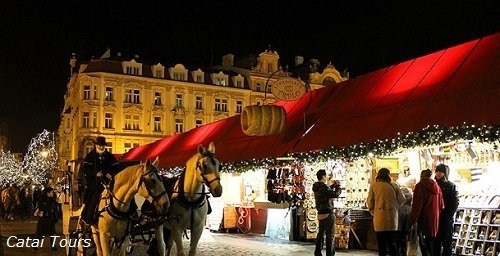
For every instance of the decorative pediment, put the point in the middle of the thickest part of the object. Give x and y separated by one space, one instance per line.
132 67
222 95
198 76
158 70
109 103
219 78
109 108
132 108
90 103
199 112
178 72
179 112
158 110
220 115
238 81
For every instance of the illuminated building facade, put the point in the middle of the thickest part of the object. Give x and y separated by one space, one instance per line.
132 103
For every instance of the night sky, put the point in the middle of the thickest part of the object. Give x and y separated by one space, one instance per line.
38 37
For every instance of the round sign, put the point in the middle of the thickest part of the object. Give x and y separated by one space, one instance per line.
288 89
312 226
312 214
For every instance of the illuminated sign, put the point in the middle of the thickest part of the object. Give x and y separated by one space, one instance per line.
288 89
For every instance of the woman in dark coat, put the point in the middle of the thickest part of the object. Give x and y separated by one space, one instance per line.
46 225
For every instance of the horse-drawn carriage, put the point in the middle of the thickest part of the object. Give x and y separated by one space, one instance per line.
119 227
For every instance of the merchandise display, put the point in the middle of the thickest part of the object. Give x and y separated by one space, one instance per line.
347 199
475 233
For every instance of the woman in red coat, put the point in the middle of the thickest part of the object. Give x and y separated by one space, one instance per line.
426 206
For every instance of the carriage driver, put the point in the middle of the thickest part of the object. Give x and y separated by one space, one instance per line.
98 166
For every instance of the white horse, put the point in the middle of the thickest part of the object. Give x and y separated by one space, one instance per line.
189 206
115 205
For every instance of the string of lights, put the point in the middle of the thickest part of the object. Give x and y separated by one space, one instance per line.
9 168
41 158
431 135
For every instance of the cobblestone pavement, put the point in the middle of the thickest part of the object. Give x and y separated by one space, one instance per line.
219 244
240 244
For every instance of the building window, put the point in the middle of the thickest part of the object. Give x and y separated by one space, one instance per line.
109 147
157 100
94 119
159 74
86 119
132 96
95 92
86 92
157 124
136 97
135 122
220 105
239 83
108 120
199 79
178 101
199 102
179 125
128 122
198 122
239 106
220 81
257 87
132 71
268 88
269 67
109 94
179 76
128 96
127 146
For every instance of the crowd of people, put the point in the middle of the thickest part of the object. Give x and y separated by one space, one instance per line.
428 209
402 213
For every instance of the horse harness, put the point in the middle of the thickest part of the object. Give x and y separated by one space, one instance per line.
182 199
113 211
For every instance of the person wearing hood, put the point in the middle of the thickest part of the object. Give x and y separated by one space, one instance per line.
384 200
425 210
323 193
451 201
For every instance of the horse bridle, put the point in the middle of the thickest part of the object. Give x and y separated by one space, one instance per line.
201 167
148 186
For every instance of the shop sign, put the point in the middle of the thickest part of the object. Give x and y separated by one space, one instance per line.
288 89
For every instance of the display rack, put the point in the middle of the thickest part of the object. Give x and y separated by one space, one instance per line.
476 231
342 229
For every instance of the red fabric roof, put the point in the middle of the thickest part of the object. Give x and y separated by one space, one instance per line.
449 87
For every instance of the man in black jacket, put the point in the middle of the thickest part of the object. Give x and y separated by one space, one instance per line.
99 165
450 197
323 194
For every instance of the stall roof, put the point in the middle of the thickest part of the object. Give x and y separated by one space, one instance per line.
449 87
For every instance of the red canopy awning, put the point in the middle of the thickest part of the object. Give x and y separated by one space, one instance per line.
449 87
456 85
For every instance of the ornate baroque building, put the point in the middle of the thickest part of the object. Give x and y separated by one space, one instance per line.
133 103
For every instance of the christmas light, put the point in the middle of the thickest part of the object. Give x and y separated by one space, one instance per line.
41 158
10 169
431 135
